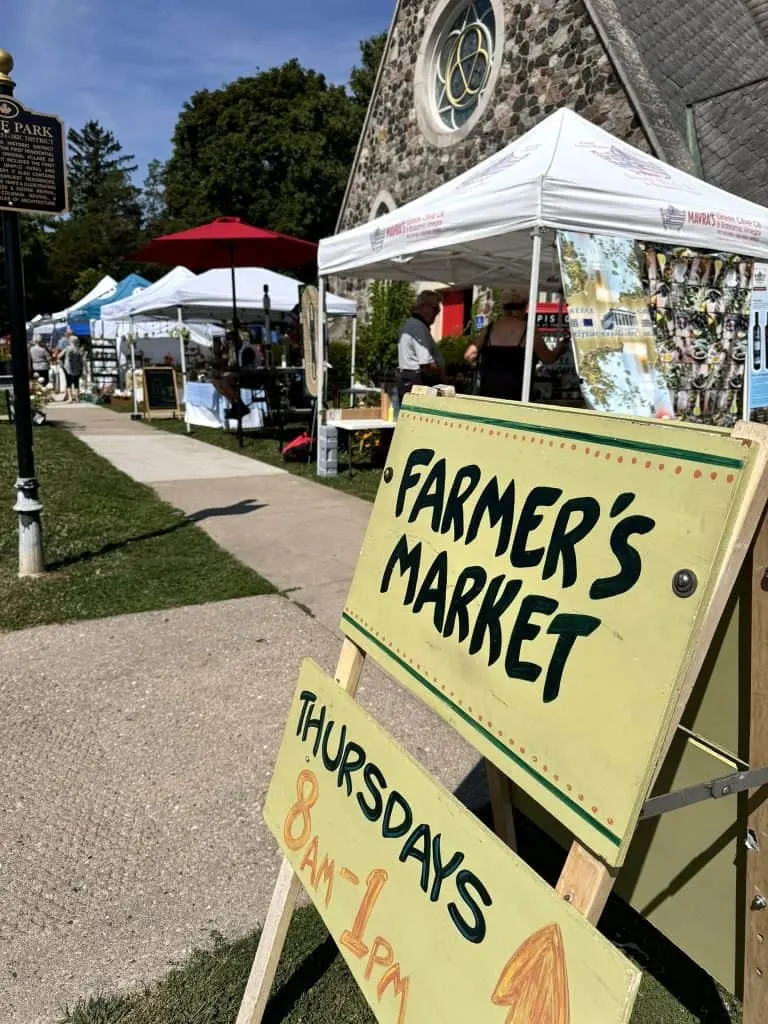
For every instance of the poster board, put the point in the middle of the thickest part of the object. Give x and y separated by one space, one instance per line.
757 347
518 568
160 390
415 890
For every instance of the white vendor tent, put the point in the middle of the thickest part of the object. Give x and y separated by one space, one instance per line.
126 308
208 296
565 173
106 285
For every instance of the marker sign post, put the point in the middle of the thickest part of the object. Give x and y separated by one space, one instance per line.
551 582
437 919
32 180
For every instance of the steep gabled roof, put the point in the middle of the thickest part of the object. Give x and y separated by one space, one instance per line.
697 72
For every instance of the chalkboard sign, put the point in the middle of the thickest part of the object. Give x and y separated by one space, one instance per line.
33 166
160 392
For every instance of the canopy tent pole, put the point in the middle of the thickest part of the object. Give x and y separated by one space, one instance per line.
353 361
132 346
533 301
180 318
267 303
321 351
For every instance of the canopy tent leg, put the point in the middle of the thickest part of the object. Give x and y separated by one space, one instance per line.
533 300
180 318
135 414
353 361
320 361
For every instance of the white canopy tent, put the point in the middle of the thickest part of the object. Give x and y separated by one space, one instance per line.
208 296
106 285
565 173
126 308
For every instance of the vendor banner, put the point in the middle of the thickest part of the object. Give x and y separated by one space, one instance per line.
699 305
613 337
758 345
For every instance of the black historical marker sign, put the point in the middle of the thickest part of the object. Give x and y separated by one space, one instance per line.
33 175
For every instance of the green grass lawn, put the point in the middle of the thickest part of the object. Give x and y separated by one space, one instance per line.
111 546
314 986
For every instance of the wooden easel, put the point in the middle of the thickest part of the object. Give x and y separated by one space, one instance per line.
586 881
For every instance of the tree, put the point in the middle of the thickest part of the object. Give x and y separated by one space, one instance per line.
274 149
96 159
104 225
390 304
363 78
153 210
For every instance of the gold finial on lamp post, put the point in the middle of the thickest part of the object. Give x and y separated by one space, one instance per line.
6 67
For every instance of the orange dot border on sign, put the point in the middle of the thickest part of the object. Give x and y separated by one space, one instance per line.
519 750
525 437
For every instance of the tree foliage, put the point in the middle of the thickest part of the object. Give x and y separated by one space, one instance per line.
274 149
390 303
363 78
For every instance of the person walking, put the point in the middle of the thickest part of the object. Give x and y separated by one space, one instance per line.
498 356
40 361
72 362
419 360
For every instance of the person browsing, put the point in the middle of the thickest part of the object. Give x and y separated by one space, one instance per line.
499 354
419 360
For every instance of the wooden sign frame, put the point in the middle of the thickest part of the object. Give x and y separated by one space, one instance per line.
586 881
148 410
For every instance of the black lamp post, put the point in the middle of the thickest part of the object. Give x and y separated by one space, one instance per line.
27 504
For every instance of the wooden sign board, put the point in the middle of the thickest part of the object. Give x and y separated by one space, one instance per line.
161 393
548 581
437 919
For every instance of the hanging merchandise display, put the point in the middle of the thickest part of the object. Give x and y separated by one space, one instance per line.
700 305
613 339
757 347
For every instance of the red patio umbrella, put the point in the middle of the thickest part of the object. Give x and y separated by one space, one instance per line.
228 242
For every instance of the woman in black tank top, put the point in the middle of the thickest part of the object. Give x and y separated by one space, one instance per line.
501 364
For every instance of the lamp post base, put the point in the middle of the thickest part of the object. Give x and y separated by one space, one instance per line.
28 508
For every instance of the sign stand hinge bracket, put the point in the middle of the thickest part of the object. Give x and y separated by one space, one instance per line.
726 786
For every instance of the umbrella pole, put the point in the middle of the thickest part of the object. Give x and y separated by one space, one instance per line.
533 301
183 364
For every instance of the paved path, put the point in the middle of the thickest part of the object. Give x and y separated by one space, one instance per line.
136 753
303 537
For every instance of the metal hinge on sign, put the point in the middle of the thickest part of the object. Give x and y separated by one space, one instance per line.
713 790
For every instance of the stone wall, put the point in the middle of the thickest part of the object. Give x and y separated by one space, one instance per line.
552 57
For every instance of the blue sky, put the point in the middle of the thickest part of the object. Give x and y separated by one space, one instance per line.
132 65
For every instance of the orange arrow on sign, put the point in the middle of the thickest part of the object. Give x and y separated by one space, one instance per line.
534 982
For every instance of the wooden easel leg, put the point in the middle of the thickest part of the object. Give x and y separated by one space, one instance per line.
256 995
500 791
756 930
585 882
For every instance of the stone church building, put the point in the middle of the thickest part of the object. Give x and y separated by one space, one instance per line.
459 79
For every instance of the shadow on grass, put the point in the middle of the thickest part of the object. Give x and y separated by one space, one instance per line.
239 508
305 977
107 549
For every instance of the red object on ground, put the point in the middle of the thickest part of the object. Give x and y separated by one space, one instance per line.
228 242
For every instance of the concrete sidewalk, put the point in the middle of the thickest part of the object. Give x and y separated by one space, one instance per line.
137 752
301 536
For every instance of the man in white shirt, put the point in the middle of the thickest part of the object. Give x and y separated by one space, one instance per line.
419 360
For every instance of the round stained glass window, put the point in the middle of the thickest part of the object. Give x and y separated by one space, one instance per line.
464 61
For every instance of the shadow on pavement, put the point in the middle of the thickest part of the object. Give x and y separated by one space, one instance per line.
239 508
